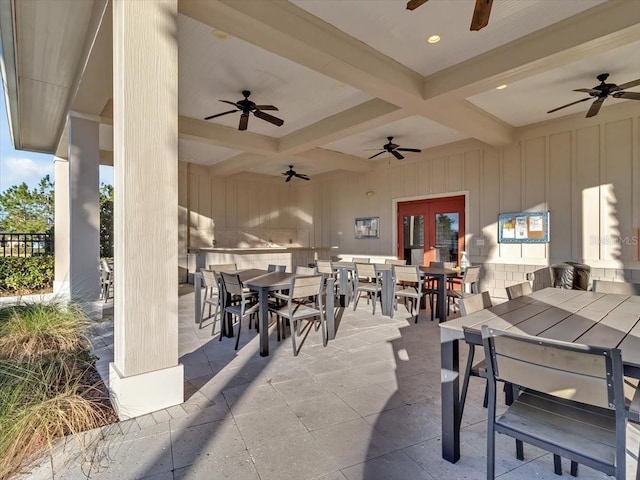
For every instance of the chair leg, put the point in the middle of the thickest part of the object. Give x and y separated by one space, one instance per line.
239 328
293 336
465 381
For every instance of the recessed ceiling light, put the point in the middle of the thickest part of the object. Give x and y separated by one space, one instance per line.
501 87
433 39
219 34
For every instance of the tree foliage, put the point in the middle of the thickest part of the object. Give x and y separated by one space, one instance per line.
106 220
25 210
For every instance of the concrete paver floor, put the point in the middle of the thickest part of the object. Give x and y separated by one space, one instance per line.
367 406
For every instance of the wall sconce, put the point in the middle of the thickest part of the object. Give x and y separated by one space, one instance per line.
370 193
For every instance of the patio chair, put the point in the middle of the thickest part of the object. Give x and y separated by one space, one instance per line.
410 286
106 279
542 278
298 308
246 301
300 270
518 290
366 280
571 403
471 278
223 267
276 268
394 261
606 286
211 285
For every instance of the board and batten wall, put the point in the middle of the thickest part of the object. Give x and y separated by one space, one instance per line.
585 172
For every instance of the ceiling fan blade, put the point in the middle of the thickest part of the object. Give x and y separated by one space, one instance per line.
569 104
268 118
408 150
595 107
397 155
413 4
374 156
220 114
288 178
631 84
481 14
266 107
629 95
590 91
244 120
302 176
230 103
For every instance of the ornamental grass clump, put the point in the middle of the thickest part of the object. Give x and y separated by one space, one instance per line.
42 329
48 384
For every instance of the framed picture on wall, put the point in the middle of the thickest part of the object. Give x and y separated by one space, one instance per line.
367 227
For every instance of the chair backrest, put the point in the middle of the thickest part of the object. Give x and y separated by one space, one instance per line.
208 278
474 303
276 268
365 270
305 286
223 267
395 261
105 266
232 283
361 260
542 278
581 373
406 273
518 290
305 270
471 274
324 267
607 286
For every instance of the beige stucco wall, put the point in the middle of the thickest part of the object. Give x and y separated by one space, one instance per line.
586 172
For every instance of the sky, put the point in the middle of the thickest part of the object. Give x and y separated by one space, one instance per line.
17 166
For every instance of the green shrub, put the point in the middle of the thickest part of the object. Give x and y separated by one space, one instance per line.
24 274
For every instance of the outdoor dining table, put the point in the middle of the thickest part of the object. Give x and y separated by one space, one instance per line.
577 316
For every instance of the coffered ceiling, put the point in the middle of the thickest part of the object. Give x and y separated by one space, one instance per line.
345 75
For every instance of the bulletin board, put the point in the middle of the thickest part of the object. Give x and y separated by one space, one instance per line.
524 227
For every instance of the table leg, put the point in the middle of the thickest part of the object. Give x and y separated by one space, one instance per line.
197 290
449 377
441 314
264 322
226 320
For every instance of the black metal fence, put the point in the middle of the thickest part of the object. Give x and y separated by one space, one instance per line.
26 244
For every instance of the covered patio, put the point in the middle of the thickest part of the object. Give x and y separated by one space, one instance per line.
367 406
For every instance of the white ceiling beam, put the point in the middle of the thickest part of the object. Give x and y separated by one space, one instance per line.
358 119
599 29
335 160
201 131
237 164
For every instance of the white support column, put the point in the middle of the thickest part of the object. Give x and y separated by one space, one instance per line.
84 201
62 249
145 375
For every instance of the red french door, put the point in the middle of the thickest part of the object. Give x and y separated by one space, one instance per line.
431 230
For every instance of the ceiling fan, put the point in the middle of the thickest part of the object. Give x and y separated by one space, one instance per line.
480 17
292 173
601 92
246 106
394 150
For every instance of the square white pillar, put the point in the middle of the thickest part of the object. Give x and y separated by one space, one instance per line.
84 207
62 249
145 121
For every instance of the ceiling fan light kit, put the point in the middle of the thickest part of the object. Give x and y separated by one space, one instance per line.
601 92
247 106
